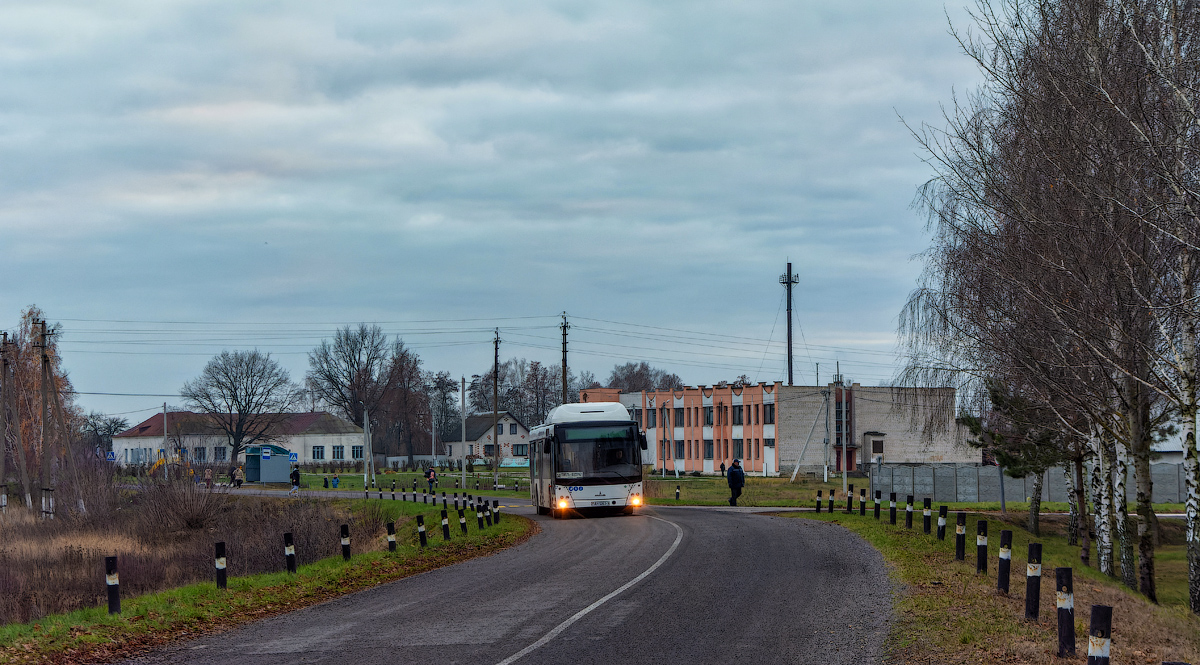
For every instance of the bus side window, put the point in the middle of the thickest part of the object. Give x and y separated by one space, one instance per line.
546 447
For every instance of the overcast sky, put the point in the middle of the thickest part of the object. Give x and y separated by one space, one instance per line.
258 173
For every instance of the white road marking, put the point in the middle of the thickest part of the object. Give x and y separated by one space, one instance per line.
581 613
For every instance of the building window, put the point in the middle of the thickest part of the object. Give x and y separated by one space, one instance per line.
499 429
737 448
756 413
768 414
339 452
725 449
679 416
708 416
521 449
356 452
679 449
737 414
449 451
318 452
637 417
877 446
470 449
757 450
708 449
219 453
200 454
512 428
650 419
770 443
489 449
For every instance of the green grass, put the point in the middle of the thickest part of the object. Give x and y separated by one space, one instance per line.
157 618
946 606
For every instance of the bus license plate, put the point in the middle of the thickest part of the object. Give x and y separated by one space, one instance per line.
601 503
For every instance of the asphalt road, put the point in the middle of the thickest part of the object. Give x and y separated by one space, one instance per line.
672 585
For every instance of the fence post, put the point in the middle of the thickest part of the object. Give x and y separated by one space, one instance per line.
941 529
1033 582
908 512
892 508
960 537
289 552
391 536
462 521
878 494
862 503
850 500
1064 592
1100 635
981 547
926 514
818 501
219 552
1004 566
445 526
421 530
495 511
114 584
345 542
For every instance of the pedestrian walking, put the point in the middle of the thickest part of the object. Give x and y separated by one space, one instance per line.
737 479
208 480
295 481
237 477
431 476
722 469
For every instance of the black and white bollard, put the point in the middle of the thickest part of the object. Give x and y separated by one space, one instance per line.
495 511
462 521
878 495
424 496
981 547
366 493
1033 582
850 500
1064 593
862 503
1004 565
941 530
892 508
831 492
289 552
114 584
345 542
421 530
479 515
456 500
487 512
677 492
1100 635
960 537
391 536
818 501
219 563
908 506
926 515
445 526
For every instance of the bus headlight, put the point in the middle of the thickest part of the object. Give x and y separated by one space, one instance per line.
637 500
562 503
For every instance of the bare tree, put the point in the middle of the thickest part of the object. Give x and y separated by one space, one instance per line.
247 396
353 371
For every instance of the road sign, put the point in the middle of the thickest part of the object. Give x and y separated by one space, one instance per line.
293 457
110 456
266 453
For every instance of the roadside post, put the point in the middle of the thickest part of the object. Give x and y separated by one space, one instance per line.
345 542
1004 565
495 511
908 505
981 547
850 500
892 508
479 515
1100 635
941 530
1033 583
878 494
391 536
421 529
1064 593
219 563
289 552
818 501
487 512
462 521
960 537
862 503
113 581
445 526
926 515
677 492
831 493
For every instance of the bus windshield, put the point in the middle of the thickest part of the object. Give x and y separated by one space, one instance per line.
601 451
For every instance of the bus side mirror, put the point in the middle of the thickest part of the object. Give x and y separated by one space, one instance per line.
642 441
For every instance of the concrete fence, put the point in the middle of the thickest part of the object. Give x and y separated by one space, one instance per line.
969 483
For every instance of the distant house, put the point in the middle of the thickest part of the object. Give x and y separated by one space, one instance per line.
511 433
315 437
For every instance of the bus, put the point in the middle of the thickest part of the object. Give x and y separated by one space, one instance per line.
586 459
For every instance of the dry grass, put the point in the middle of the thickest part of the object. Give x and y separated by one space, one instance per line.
51 567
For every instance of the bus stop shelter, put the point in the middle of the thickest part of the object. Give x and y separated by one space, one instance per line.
267 464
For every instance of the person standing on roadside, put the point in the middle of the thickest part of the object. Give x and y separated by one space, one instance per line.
237 477
737 480
295 481
208 479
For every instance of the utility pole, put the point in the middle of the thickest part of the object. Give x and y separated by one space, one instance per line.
496 408
788 279
47 457
463 414
825 393
18 440
844 426
367 447
565 327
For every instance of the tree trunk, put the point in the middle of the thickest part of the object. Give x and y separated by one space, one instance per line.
1035 505
1121 517
1073 504
1102 501
1085 522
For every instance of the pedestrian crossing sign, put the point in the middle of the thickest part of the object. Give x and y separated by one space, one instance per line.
293 457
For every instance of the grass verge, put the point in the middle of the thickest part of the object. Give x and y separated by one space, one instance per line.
156 619
947 613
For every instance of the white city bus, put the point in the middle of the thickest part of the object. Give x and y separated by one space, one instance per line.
586 458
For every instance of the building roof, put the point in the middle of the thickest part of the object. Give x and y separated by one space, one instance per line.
477 426
313 422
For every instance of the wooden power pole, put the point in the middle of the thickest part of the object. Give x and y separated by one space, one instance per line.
496 408
565 327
